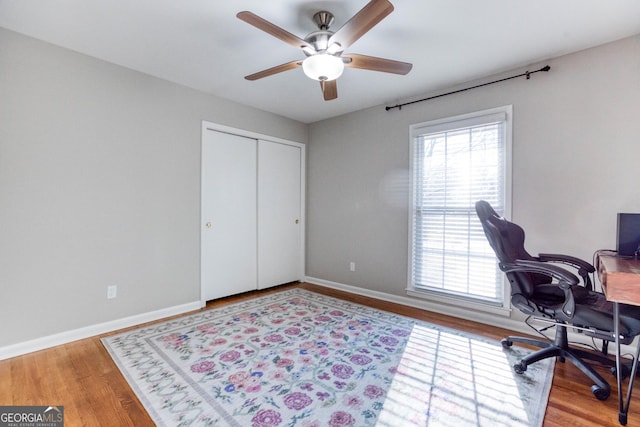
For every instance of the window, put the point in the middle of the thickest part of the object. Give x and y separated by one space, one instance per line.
456 162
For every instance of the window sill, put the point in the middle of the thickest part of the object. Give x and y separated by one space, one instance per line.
466 304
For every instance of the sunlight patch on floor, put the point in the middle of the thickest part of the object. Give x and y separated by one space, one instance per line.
447 379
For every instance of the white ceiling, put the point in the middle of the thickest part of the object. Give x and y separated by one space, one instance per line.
201 44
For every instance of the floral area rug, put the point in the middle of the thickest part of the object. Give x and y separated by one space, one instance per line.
297 358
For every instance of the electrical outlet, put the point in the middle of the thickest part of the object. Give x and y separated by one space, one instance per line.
352 266
112 291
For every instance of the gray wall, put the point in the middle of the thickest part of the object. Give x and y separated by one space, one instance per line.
99 185
576 151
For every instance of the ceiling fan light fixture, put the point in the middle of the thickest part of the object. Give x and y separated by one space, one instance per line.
323 67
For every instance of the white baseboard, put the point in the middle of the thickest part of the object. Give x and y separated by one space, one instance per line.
459 312
488 319
25 347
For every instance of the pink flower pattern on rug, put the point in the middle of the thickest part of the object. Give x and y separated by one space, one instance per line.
290 359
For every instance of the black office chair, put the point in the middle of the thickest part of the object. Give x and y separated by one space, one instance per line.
547 291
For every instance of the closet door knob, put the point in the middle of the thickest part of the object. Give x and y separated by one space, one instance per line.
297 221
208 225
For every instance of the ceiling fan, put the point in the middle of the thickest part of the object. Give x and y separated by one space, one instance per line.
324 48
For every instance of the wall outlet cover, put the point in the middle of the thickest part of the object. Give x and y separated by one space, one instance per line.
112 292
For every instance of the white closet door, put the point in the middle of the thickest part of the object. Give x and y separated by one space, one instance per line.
279 214
229 215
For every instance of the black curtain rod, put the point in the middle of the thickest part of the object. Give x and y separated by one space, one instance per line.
527 74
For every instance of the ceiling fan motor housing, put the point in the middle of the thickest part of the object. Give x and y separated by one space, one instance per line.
320 39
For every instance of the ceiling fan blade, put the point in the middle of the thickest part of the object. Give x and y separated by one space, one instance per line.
277 32
275 70
329 89
361 22
364 62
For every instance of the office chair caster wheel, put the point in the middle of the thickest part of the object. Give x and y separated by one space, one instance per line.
625 372
506 343
519 368
600 393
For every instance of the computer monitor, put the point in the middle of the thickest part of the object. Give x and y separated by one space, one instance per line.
628 242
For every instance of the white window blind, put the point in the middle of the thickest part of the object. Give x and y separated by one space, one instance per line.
455 163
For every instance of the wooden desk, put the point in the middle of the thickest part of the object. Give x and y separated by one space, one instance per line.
620 278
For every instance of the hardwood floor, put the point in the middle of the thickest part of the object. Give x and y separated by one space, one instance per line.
82 377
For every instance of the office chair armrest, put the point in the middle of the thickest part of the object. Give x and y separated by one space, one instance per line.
583 267
567 259
565 280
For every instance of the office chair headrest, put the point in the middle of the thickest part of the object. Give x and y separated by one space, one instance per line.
505 238
485 211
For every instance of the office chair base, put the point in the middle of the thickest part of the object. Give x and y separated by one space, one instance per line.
561 351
